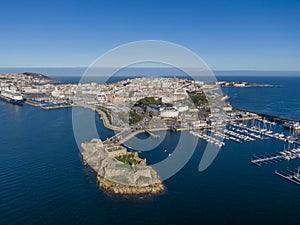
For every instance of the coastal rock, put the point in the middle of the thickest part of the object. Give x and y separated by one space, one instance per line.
119 178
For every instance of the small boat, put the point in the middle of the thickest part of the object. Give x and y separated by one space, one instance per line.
292 125
297 176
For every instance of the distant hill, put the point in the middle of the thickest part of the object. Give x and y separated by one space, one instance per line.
37 75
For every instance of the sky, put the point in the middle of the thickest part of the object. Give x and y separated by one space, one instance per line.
227 35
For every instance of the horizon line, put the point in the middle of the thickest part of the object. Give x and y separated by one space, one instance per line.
145 67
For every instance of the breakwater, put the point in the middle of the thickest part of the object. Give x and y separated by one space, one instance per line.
276 119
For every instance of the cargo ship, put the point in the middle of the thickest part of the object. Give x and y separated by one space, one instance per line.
13 97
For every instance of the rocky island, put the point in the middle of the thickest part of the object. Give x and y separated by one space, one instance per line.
243 84
130 107
119 171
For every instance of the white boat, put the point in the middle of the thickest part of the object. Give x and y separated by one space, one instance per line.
13 97
297 176
292 125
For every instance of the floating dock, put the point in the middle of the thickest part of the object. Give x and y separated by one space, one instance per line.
269 158
208 138
290 175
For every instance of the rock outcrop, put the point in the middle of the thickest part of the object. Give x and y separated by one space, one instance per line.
118 177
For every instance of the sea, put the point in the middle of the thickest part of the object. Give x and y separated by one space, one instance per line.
43 179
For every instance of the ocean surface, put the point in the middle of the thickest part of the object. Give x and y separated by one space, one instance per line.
43 179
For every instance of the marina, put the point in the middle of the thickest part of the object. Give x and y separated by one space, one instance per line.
224 136
291 175
269 158
251 129
209 139
238 135
263 129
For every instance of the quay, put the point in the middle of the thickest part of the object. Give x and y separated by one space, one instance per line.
125 135
237 131
276 119
55 107
47 107
32 103
152 135
103 117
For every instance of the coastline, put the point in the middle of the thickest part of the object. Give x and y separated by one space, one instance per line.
112 185
106 184
118 177
119 189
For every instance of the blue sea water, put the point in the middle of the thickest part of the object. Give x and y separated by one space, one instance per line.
43 179
281 99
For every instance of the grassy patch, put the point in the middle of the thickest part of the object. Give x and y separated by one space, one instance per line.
128 159
150 101
134 117
198 99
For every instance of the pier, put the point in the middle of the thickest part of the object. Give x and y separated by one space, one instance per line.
268 158
208 138
152 135
125 135
290 175
262 133
276 119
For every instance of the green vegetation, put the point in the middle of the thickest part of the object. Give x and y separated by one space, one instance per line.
138 112
134 117
126 166
198 99
128 159
150 101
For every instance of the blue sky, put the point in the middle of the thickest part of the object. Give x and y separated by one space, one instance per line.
228 35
